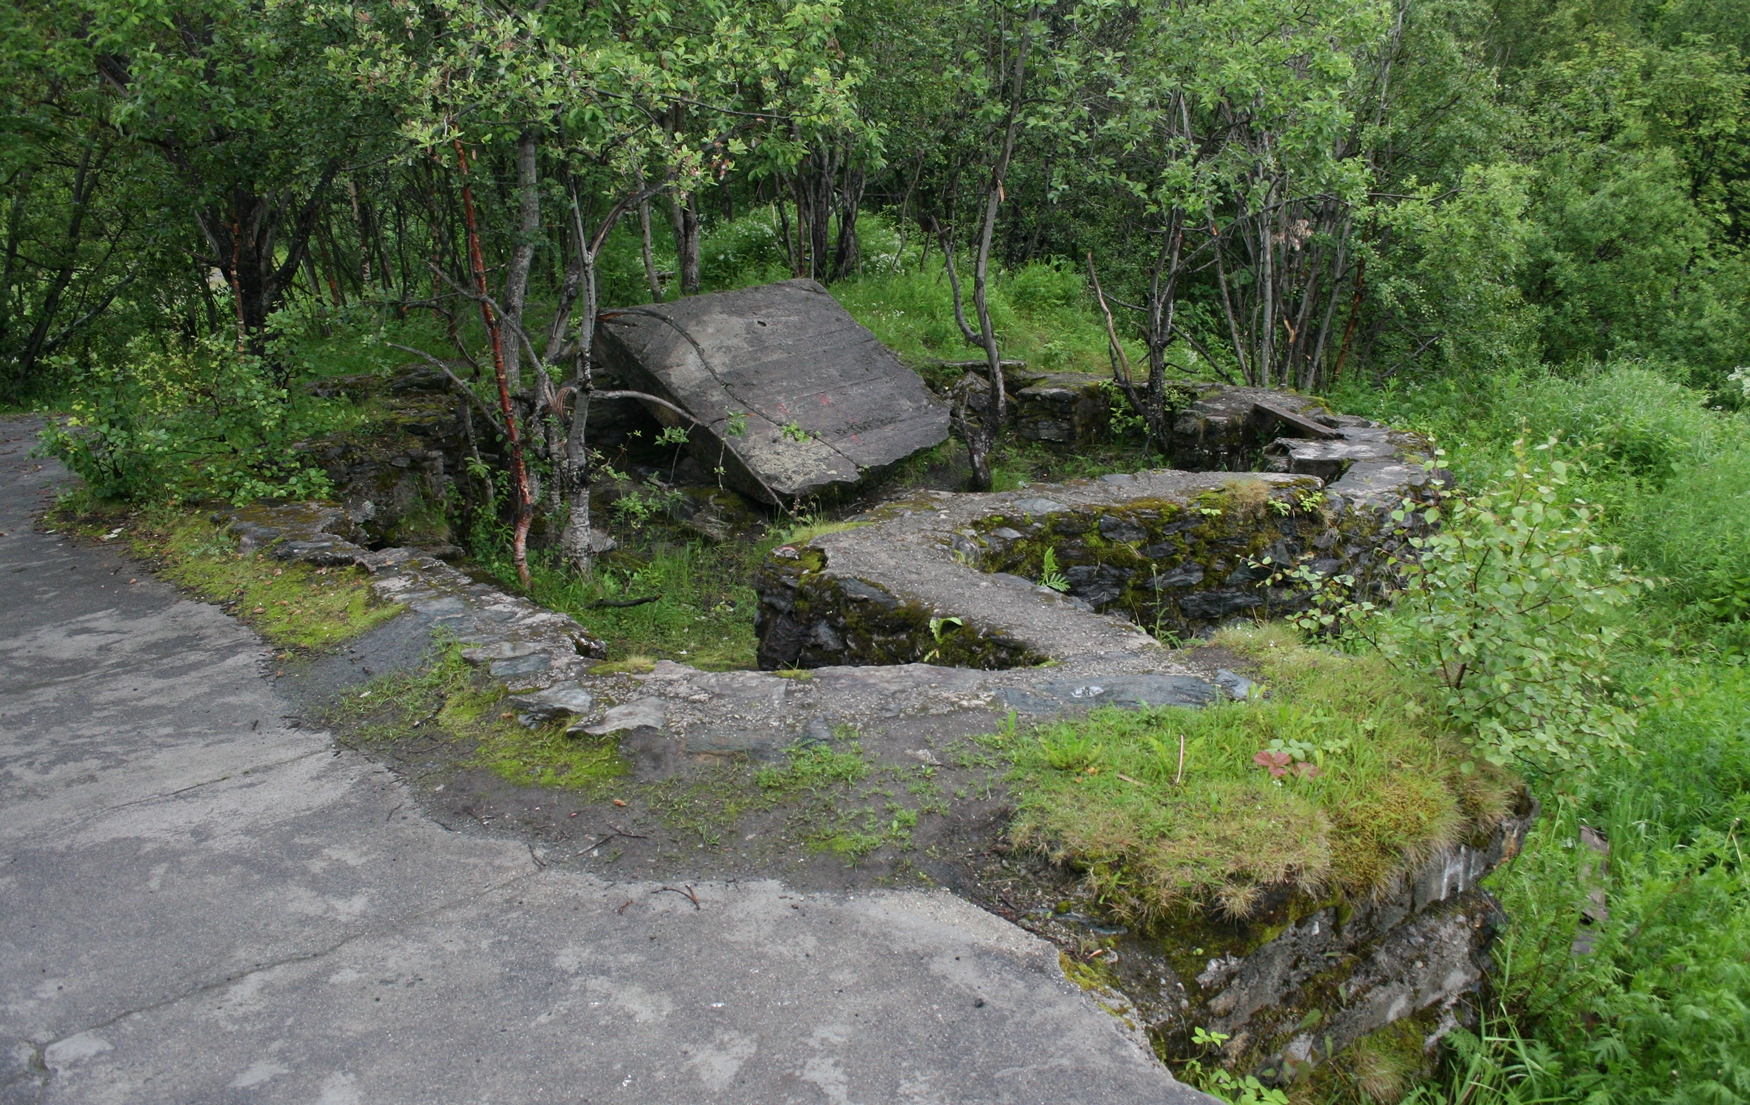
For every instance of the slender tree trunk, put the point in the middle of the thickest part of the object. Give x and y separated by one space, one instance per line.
650 273
684 216
518 469
522 255
990 422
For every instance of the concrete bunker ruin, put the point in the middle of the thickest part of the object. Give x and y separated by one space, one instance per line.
795 398
1134 558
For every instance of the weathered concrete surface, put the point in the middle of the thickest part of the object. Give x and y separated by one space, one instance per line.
956 577
205 903
825 404
1175 551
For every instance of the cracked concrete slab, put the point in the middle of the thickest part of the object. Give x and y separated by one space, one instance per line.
206 902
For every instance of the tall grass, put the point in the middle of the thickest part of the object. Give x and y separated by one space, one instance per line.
1654 1006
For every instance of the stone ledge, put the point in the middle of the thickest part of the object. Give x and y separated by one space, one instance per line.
528 647
949 577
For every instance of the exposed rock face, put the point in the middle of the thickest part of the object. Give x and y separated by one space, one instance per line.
1061 408
1172 551
797 398
1304 980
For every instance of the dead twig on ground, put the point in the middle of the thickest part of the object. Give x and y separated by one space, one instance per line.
688 893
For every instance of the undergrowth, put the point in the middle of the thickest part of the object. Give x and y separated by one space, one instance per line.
704 598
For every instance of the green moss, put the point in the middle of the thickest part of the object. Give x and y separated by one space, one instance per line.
289 603
475 712
1091 975
815 766
1223 531
1221 853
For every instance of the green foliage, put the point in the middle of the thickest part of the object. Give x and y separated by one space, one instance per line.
815 766
157 425
1657 1010
1692 533
1049 574
1513 608
703 613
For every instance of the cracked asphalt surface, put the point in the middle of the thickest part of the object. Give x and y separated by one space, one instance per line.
201 902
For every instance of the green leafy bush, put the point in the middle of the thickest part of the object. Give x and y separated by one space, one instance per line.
196 422
1513 608
1693 533
1658 1010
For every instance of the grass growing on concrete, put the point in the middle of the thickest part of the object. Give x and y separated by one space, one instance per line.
291 604
832 798
1340 777
465 706
704 599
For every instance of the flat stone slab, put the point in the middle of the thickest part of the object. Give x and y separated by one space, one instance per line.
526 646
821 404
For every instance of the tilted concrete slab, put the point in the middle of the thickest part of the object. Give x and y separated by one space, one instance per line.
825 404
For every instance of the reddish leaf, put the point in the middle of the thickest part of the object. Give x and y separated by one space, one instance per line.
1276 762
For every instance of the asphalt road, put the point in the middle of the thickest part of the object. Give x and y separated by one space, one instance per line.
201 902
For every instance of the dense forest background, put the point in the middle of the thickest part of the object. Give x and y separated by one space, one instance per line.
1520 226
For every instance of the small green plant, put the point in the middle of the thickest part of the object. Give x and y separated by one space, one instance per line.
936 625
793 431
672 435
1224 1084
814 766
737 424
1069 750
640 504
1050 575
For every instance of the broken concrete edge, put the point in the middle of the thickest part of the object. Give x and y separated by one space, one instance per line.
1331 975
540 656
538 652
951 579
674 716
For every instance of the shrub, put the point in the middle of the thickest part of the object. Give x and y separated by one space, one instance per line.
196 422
1513 609
1693 533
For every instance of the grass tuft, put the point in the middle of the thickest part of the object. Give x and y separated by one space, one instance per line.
1367 786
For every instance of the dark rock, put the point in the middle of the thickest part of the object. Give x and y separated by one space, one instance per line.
1234 683
1210 605
1115 527
867 592
1097 584
552 703
1189 574
1128 691
825 404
